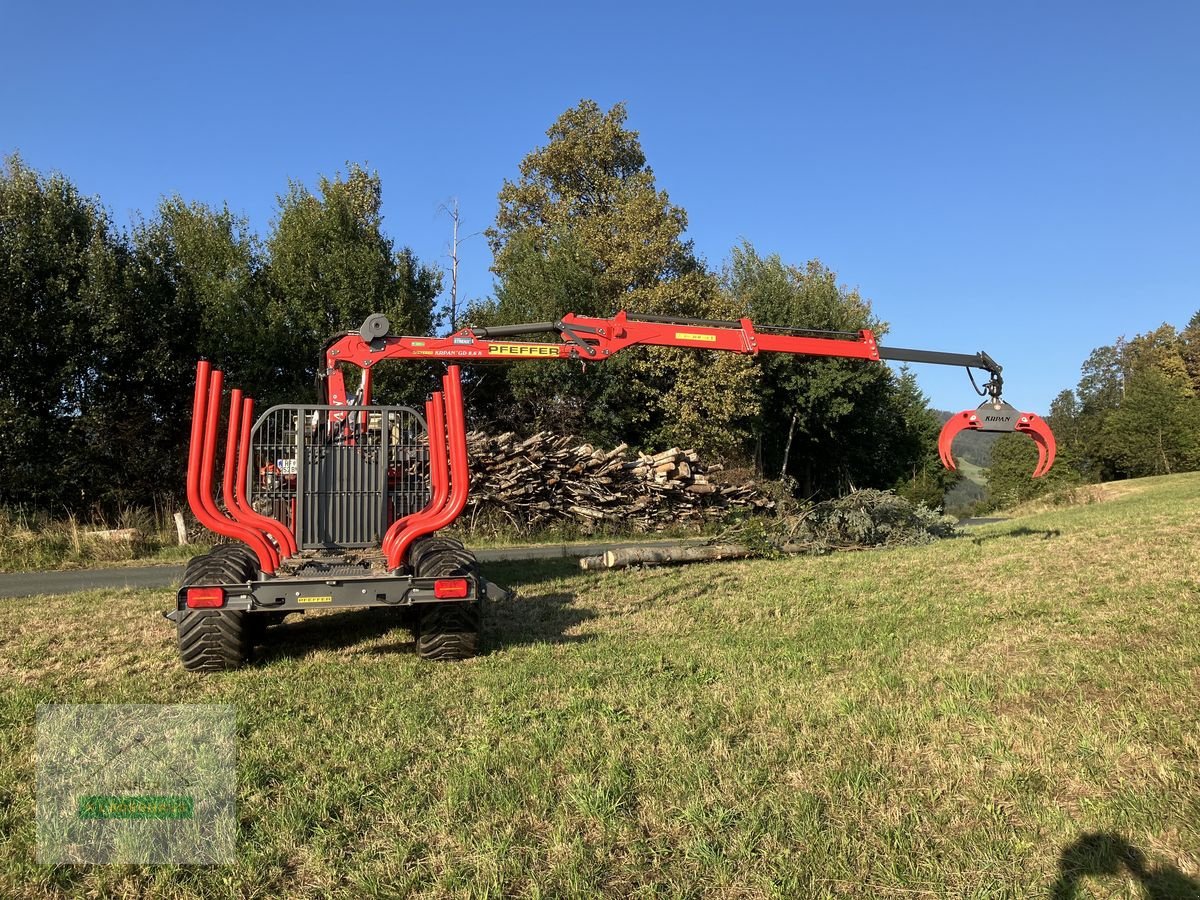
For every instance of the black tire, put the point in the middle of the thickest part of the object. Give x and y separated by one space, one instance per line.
449 632
216 640
438 557
446 632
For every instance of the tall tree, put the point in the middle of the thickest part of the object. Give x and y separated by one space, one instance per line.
1189 340
332 265
190 288
57 261
587 202
829 423
1154 431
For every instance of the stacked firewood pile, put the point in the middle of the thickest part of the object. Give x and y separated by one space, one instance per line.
547 478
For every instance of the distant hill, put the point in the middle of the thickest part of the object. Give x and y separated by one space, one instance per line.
973 446
973 451
971 488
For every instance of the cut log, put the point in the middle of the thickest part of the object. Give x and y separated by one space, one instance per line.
544 478
113 536
657 556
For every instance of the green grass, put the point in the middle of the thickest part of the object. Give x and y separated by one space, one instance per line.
974 718
972 472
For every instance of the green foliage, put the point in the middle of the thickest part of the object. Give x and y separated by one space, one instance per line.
59 267
1135 409
1010 481
332 265
1154 430
585 229
869 518
96 374
839 423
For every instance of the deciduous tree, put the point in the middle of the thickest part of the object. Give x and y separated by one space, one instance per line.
332 265
588 202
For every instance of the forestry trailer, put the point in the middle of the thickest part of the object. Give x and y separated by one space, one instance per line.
338 503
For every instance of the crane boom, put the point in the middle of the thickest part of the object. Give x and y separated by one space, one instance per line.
592 339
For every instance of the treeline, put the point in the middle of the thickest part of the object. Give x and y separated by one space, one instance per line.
104 326
1135 412
586 229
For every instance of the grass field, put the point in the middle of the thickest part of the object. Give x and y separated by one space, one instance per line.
972 472
1014 713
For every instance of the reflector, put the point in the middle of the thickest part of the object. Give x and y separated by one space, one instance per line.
450 588
205 597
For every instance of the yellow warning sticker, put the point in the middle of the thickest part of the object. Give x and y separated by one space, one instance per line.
523 349
314 599
693 336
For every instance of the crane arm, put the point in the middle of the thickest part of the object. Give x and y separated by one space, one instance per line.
592 339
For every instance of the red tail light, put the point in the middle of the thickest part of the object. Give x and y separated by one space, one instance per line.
205 597
451 588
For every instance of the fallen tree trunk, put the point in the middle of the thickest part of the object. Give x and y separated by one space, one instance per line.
113 536
681 554
658 556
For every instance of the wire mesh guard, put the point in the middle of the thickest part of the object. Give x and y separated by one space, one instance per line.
338 476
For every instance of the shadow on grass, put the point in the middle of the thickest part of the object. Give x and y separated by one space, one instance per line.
1044 533
300 636
524 616
520 573
537 619
1105 853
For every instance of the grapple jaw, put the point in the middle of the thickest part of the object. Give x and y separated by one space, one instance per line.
996 415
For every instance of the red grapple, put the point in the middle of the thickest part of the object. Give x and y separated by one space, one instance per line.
1002 417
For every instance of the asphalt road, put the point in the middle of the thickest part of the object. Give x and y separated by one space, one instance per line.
28 584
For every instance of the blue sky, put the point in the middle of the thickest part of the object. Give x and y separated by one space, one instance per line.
1015 177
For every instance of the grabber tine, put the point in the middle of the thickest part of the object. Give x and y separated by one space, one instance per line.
1041 468
947 457
1035 426
950 430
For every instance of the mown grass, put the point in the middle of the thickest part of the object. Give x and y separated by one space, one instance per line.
972 472
1013 713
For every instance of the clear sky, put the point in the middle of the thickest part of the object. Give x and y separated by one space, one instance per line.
1022 178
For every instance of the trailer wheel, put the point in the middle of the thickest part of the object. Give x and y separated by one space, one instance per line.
446 632
215 640
449 632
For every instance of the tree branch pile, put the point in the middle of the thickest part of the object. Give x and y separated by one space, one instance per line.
861 520
547 479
